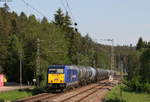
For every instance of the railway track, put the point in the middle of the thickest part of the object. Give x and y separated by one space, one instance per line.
37 98
78 94
75 95
83 92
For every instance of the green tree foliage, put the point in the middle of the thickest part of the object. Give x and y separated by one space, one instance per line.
140 44
145 66
59 44
59 18
12 59
138 67
133 65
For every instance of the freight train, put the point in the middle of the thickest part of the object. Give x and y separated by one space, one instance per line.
60 77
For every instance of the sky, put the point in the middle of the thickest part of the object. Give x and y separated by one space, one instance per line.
122 20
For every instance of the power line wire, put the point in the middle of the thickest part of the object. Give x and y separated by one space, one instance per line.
73 19
33 8
63 5
70 10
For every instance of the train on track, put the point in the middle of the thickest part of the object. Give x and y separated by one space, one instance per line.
60 77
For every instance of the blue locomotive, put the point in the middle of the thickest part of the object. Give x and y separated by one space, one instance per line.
64 76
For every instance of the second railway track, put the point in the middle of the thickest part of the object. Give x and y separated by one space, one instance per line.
37 98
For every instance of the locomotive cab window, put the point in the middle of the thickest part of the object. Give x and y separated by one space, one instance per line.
56 71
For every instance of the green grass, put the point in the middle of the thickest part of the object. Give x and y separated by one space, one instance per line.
14 95
114 96
18 94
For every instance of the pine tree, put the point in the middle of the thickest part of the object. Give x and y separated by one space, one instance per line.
44 20
59 17
145 66
6 7
140 44
23 16
67 20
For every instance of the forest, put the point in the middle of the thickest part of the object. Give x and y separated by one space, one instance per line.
44 43
40 43
138 68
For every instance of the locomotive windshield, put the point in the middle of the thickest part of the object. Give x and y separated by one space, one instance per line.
56 70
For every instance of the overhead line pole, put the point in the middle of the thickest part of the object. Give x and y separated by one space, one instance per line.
38 62
20 69
112 55
112 61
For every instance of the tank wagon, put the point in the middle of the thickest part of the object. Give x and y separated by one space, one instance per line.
61 77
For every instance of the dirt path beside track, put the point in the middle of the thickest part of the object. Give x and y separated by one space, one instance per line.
10 88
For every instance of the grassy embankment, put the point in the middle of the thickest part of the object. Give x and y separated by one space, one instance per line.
114 96
17 94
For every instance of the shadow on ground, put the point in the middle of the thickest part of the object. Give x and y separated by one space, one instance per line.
114 100
33 91
1 100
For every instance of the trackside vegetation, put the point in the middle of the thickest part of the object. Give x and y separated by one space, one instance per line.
127 96
138 78
18 94
136 85
14 95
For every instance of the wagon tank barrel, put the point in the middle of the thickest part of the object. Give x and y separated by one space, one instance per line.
62 77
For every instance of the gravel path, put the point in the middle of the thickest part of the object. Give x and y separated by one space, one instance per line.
10 88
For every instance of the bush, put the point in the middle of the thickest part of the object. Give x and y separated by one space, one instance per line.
1 100
134 84
146 87
116 99
43 80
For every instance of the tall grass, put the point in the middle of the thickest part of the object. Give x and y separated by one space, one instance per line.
127 96
14 95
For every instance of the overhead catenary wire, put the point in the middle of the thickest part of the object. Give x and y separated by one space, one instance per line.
27 4
63 4
67 8
73 19
70 10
